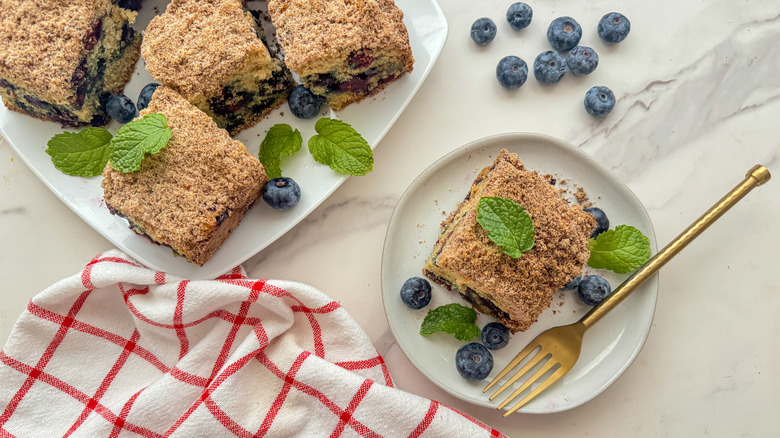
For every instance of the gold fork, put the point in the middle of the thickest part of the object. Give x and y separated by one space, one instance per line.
563 344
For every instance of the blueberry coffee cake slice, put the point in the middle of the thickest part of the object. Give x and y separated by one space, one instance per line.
211 52
192 194
61 59
343 50
513 290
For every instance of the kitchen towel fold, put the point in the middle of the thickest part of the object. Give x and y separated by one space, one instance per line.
121 350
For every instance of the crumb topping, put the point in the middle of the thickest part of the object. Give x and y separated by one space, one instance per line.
42 42
319 35
522 287
179 195
196 46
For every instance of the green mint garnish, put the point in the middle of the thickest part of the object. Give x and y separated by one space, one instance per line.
281 141
454 319
339 146
620 250
134 140
83 153
507 223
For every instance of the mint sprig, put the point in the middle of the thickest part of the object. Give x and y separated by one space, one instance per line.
340 147
621 250
280 141
83 153
134 140
507 223
455 319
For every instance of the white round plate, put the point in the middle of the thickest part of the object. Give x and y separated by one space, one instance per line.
609 347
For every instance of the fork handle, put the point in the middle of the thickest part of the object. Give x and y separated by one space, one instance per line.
755 177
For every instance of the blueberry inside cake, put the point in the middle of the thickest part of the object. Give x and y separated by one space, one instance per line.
60 60
343 50
213 54
192 194
512 290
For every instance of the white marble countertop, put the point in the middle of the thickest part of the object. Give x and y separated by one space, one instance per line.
698 95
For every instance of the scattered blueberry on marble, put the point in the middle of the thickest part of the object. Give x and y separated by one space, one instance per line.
582 60
602 222
303 103
549 67
146 95
613 28
519 15
120 108
416 292
564 33
511 72
495 335
281 193
593 289
483 31
599 101
573 283
473 361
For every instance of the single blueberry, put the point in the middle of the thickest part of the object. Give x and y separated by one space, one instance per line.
519 15
146 95
133 5
599 101
474 361
303 103
120 108
582 60
281 193
495 335
416 292
511 72
564 33
613 28
593 289
549 67
573 283
483 31
602 222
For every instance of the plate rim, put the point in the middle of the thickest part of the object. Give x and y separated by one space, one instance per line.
475 144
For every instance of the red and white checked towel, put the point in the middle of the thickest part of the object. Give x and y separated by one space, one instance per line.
120 350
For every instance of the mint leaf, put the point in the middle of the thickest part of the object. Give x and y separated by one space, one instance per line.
134 140
454 319
280 141
620 250
339 146
507 223
83 153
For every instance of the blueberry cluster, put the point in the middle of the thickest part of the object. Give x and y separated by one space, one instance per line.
563 35
122 109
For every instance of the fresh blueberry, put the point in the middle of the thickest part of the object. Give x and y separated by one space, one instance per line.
495 335
120 108
549 67
281 193
483 31
573 283
519 15
474 361
593 289
582 60
613 28
602 222
303 103
564 33
599 101
511 72
146 95
416 292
